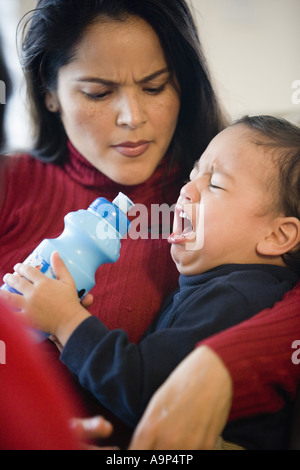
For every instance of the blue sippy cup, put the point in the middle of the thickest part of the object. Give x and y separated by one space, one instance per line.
90 238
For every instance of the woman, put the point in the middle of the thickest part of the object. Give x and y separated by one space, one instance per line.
116 105
121 100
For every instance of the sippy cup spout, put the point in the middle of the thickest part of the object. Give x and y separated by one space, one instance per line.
123 203
114 213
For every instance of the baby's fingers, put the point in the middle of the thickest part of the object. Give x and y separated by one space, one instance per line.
60 270
16 282
31 273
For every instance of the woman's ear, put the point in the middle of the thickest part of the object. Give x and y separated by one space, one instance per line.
285 237
51 102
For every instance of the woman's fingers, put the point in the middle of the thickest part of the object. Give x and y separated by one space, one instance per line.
87 301
91 428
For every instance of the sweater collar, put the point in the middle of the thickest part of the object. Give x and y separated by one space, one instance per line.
84 173
280 272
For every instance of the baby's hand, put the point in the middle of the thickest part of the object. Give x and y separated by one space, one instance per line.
51 305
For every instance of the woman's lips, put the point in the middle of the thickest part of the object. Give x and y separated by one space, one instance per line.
132 149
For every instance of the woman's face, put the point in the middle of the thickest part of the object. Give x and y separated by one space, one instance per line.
118 101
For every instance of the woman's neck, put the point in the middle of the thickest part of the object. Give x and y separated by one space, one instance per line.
84 173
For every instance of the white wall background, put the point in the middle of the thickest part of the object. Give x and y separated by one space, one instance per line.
17 125
252 46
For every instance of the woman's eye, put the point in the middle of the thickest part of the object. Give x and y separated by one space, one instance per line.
96 96
155 90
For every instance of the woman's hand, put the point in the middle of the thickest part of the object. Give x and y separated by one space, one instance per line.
190 410
50 305
87 429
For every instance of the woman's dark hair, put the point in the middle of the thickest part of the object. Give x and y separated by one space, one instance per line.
283 138
6 86
54 29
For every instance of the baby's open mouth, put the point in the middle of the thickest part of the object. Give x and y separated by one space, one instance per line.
183 227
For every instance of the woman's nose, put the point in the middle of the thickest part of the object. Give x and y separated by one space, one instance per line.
189 192
130 110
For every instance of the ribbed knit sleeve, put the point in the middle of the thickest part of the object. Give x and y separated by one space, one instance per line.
258 355
36 197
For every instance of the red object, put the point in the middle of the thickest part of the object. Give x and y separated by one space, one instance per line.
35 403
258 355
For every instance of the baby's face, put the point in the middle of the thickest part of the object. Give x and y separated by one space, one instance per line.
224 210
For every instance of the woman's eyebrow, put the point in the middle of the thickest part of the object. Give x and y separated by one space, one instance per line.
154 75
104 81
99 81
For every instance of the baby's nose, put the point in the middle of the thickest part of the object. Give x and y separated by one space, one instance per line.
189 192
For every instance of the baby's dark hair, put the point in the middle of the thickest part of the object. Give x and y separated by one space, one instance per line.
283 138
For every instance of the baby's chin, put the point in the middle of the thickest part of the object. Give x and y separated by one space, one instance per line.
187 263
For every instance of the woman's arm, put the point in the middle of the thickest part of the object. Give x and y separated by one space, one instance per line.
191 408
261 348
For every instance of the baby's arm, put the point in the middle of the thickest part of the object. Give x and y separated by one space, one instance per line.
50 305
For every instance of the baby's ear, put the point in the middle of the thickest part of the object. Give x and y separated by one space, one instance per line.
284 237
